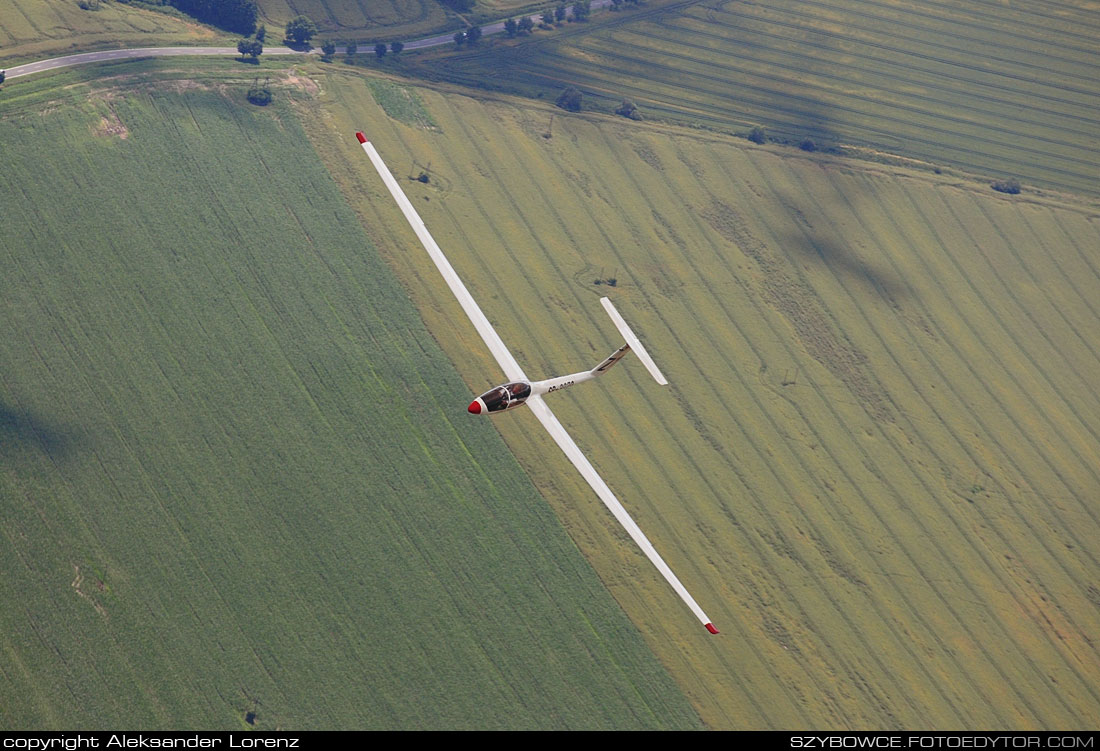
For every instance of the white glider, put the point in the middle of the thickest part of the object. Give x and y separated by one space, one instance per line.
521 390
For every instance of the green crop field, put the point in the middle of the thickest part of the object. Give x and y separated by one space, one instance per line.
1005 90
877 464
35 29
359 19
237 480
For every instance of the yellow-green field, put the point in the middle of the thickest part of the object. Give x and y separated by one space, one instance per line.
876 467
359 19
33 29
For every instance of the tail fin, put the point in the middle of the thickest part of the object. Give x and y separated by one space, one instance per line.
632 343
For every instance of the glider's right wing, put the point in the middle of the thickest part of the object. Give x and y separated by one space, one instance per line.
565 441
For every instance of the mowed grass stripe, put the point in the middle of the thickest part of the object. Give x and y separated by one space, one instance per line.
1034 363
1066 19
37 29
19 25
1053 309
856 484
352 16
939 17
1050 232
817 194
910 250
871 506
948 78
952 27
942 331
1028 296
958 235
1069 420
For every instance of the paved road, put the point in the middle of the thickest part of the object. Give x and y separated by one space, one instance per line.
94 57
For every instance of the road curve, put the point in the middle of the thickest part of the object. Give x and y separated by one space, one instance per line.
85 58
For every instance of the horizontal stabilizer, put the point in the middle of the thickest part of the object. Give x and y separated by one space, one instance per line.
632 340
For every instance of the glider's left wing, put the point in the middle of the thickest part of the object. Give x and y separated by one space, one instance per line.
465 299
515 373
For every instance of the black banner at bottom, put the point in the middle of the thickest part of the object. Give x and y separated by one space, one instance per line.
244 739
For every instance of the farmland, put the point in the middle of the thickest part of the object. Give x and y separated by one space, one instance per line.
225 431
34 29
237 486
996 89
359 19
876 465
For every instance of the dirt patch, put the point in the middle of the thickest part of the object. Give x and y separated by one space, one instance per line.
307 85
87 589
111 125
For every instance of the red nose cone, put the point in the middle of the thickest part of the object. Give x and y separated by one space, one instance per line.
474 408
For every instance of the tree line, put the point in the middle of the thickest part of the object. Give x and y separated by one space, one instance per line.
232 15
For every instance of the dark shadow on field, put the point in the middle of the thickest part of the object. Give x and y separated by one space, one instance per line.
832 251
20 429
808 130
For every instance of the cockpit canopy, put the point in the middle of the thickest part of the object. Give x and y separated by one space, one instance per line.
505 397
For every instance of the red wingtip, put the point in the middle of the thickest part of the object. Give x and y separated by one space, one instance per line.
360 136
474 408
711 628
